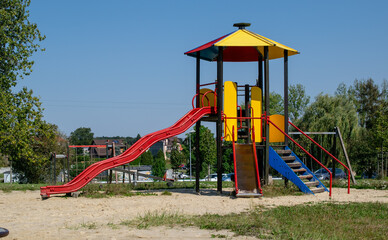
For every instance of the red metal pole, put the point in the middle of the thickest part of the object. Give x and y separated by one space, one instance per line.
234 162
304 150
325 152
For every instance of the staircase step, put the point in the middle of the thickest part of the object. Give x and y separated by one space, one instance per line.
283 152
294 164
305 176
311 183
317 190
299 170
288 158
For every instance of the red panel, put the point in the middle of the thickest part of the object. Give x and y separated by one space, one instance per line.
240 54
207 45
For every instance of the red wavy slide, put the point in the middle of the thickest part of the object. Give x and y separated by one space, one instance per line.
129 155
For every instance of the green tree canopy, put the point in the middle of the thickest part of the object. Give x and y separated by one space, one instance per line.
159 165
81 136
276 105
297 101
24 136
18 38
368 101
177 157
207 149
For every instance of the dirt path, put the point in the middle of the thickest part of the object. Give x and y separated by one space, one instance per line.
26 216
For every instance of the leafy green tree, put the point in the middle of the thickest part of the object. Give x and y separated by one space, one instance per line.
207 150
146 158
297 101
81 136
18 38
368 101
177 157
276 105
227 158
25 138
159 165
327 112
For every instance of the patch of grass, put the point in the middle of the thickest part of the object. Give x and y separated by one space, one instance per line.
94 190
277 189
218 236
154 219
113 226
110 190
312 221
167 193
8 187
89 225
361 184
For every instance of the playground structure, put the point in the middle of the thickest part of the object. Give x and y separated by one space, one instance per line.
250 129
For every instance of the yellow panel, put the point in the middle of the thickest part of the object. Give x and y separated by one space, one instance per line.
208 100
246 38
243 38
274 134
230 110
256 104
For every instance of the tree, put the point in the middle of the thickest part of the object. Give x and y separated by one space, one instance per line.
17 42
207 150
276 105
159 165
81 136
177 157
368 101
25 136
146 158
297 101
327 112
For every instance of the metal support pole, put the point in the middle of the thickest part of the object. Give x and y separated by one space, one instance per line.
198 161
286 95
220 90
55 169
286 103
346 154
261 156
190 153
334 152
247 112
68 163
266 79
260 79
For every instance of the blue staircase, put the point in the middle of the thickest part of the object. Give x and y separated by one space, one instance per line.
290 166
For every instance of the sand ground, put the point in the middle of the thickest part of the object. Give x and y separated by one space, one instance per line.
26 216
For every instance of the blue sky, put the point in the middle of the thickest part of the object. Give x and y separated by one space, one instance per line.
118 66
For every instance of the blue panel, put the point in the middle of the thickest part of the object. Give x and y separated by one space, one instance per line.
308 171
281 166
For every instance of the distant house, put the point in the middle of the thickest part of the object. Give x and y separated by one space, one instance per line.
101 152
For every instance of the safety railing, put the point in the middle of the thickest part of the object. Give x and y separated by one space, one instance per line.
203 97
207 84
305 151
312 140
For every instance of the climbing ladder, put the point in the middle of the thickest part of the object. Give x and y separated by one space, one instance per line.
290 166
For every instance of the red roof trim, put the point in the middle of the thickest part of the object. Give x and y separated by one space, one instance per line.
206 45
